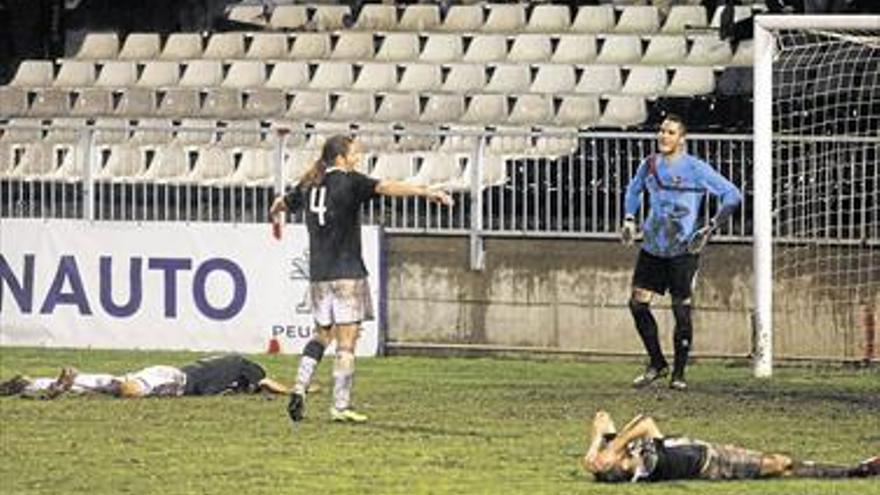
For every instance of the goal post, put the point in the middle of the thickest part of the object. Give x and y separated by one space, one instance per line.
816 147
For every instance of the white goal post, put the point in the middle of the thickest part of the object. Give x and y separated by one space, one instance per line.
821 33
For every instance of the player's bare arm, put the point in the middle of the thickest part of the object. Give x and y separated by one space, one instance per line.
399 188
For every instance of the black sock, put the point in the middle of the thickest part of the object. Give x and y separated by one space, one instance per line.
647 327
682 338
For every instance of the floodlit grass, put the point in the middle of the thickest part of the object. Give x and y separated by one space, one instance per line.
437 426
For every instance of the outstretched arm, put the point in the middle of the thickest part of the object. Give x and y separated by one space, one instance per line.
399 188
603 426
638 428
274 387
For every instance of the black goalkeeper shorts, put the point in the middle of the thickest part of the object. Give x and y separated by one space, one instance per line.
658 274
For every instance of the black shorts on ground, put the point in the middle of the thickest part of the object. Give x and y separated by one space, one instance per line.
659 275
215 375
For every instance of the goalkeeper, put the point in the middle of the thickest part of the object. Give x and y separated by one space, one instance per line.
640 452
676 183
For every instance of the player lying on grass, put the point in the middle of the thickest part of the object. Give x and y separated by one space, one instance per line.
208 376
640 452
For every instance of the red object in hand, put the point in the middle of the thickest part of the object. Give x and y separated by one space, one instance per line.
276 228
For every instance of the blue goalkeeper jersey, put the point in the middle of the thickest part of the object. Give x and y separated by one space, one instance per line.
676 191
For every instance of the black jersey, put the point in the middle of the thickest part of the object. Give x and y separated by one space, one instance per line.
675 458
332 211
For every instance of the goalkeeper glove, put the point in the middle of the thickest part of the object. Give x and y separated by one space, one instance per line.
701 238
628 231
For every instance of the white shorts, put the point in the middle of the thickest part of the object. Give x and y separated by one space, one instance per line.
341 301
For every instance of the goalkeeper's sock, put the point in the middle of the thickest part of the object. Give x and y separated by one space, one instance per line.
343 379
312 354
647 328
682 337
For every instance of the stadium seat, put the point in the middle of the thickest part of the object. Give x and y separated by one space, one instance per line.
435 168
465 78
623 112
213 163
98 46
709 50
458 138
67 165
463 19
297 160
509 141
376 17
575 49
600 79
690 81
234 133
13 101
182 46
420 78
225 46
311 46
441 108
158 74
579 111
75 73
327 17
744 56
167 162
141 46
201 74
249 14
50 103
33 159
135 102
593 19
554 78
253 166
288 17
505 18
508 78
486 110
442 48
91 102
530 48
151 131
351 45
682 17
332 75
117 74
665 50
178 102
244 74
33 73
267 46
309 105
288 75
109 131
494 173
486 48
620 49
121 163
222 103
372 76
393 166
645 80
398 47
530 110
638 19
197 132
554 142
351 107
549 18
396 107
263 102
419 18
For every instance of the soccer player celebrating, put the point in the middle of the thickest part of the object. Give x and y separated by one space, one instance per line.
677 183
640 452
331 193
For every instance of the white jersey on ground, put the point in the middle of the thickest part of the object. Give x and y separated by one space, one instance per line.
159 380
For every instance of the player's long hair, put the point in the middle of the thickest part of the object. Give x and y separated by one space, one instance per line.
335 146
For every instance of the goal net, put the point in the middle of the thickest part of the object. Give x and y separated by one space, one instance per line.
824 205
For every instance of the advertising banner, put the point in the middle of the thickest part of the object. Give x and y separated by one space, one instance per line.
175 286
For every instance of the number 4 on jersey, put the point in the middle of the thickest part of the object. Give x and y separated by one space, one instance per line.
317 203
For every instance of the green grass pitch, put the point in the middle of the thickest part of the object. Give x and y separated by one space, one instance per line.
437 425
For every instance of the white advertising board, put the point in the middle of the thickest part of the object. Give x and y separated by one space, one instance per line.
182 286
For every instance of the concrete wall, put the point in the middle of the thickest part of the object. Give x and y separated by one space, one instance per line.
571 295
